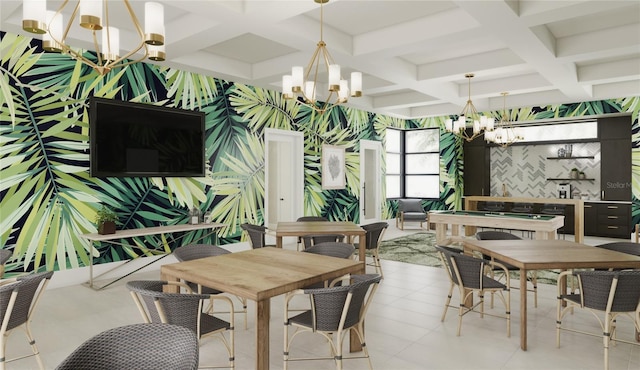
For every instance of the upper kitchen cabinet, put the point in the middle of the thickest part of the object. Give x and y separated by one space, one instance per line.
615 162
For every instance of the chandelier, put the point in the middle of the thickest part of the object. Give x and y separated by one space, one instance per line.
504 134
479 124
304 84
37 19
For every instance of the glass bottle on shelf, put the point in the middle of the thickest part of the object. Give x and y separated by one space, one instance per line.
194 216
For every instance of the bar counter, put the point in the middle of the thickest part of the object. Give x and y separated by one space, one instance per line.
471 204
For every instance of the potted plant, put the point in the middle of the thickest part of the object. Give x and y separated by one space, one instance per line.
106 220
581 175
574 173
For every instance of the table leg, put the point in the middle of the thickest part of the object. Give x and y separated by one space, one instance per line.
278 242
523 309
441 233
354 342
169 288
362 246
455 230
263 314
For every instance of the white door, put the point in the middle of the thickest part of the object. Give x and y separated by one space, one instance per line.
370 181
284 176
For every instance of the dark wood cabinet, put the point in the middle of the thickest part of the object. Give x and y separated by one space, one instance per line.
614 220
569 220
615 159
477 168
590 219
614 127
615 169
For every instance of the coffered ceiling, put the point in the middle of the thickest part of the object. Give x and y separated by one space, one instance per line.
413 54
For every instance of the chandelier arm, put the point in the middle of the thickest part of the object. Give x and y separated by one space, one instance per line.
66 49
73 16
138 28
97 46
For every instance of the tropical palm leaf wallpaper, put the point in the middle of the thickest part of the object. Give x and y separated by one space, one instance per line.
48 198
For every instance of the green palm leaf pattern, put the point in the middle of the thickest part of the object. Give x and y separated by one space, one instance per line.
48 198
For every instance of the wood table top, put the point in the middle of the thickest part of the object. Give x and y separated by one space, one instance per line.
262 273
301 228
552 254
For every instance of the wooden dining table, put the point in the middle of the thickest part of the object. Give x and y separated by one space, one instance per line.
306 228
528 254
258 275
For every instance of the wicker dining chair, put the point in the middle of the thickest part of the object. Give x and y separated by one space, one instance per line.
624 247
137 346
310 240
301 241
374 234
19 298
184 309
331 249
613 294
532 276
334 312
469 274
196 251
256 234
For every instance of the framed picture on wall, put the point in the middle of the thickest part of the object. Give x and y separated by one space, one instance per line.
333 167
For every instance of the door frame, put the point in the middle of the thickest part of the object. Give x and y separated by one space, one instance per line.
369 191
297 178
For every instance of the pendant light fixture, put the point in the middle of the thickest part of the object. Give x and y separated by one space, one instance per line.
93 16
304 83
469 118
504 134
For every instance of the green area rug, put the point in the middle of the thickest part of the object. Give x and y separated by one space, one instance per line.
419 249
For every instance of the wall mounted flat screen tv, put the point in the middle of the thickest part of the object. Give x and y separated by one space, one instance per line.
142 140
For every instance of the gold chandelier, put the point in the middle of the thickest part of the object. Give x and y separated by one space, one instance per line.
304 84
504 134
479 124
36 19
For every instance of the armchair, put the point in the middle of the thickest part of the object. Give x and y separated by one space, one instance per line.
410 210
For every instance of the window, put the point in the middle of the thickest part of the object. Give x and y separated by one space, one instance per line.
413 163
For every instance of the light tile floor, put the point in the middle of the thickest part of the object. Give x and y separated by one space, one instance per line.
403 331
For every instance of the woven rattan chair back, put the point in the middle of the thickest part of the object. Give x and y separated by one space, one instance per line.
137 346
311 240
624 247
470 275
333 312
329 303
598 290
311 218
19 298
333 249
256 234
183 309
613 294
375 232
195 251
496 235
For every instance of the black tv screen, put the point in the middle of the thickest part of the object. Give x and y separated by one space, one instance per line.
143 140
